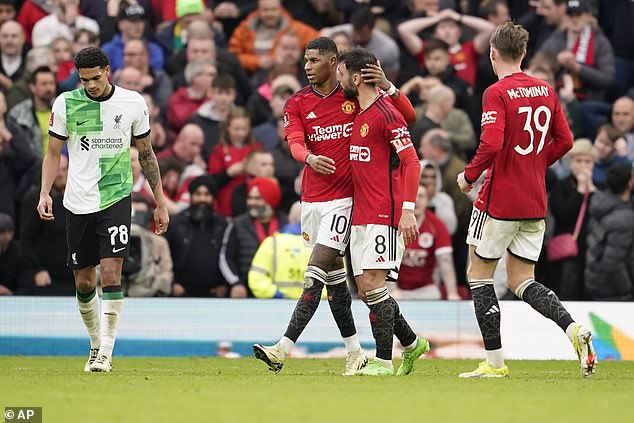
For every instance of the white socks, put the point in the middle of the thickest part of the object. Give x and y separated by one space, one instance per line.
89 310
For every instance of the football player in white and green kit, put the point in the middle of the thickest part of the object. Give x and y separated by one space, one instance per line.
98 122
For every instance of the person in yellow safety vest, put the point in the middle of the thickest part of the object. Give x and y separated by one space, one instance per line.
277 269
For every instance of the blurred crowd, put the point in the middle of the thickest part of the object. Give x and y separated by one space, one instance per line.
216 76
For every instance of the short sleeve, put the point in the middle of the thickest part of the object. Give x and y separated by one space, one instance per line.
57 122
141 125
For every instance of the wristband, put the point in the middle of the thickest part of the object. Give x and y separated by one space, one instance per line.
408 205
391 90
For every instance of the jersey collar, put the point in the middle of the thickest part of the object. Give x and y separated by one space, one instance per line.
334 90
112 86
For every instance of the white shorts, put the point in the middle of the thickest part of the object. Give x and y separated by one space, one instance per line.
327 223
491 237
375 247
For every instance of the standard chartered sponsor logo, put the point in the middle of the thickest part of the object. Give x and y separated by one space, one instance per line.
106 143
331 132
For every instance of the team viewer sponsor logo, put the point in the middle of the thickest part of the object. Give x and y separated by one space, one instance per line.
359 153
332 132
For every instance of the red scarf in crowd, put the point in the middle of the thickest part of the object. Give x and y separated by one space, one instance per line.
583 50
259 228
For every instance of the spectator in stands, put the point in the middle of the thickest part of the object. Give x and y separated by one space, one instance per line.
13 267
258 164
565 200
258 104
131 26
437 64
363 33
606 154
622 40
31 12
432 247
19 166
153 80
44 243
288 52
464 56
61 23
187 147
343 41
129 78
184 102
231 13
261 221
623 121
198 240
255 39
171 171
266 132
496 12
147 272
63 55
436 113
200 46
35 58
157 134
173 36
584 52
277 269
549 17
236 141
436 147
211 115
83 38
8 11
12 54
287 170
610 237
34 113
438 202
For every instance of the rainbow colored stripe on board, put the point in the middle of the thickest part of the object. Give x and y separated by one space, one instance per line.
609 342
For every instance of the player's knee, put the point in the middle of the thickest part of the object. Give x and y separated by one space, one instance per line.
84 285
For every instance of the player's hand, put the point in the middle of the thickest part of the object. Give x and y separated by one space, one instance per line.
45 207
463 184
42 278
321 164
373 74
408 226
161 219
453 296
238 291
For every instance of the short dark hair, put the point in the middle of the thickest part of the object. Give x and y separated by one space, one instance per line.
323 45
91 57
224 81
433 45
357 59
39 70
362 18
611 131
618 176
490 7
510 40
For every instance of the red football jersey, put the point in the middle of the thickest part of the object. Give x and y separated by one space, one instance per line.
523 132
325 121
379 137
464 59
419 259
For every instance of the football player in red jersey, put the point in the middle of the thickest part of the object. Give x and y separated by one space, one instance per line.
317 125
523 132
385 174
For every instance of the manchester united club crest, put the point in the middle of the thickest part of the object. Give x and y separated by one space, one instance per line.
348 107
305 236
364 129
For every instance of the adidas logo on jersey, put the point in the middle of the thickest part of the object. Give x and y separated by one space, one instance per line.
311 115
335 238
380 260
494 309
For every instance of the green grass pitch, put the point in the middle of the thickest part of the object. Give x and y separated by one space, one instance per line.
215 390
